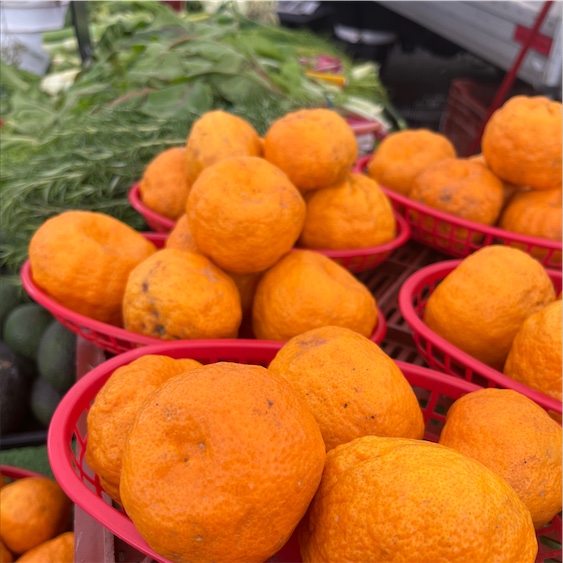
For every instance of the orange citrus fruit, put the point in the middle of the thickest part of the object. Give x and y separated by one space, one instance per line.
217 135
112 412
522 142
535 356
180 237
401 156
178 294
352 214
82 259
57 550
220 464
352 387
316 147
33 510
481 305
245 214
307 290
537 214
461 187
397 499
482 425
164 186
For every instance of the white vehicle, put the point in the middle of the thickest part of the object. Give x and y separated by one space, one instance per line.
495 31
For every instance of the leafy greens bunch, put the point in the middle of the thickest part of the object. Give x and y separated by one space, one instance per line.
155 72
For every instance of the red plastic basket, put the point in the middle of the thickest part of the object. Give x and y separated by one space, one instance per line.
67 438
459 237
355 260
443 356
115 339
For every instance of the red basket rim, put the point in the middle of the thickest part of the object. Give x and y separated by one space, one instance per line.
491 231
134 196
14 472
84 390
439 270
59 311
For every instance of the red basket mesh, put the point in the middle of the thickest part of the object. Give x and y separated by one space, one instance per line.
355 260
458 237
115 339
68 434
443 356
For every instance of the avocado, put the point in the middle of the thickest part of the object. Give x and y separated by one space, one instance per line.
44 400
16 376
56 357
23 328
9 297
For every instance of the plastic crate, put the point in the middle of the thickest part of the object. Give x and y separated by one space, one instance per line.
466 109
459 237
68 435
445 357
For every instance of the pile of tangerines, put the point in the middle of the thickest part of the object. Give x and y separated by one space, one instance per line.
222 462
242 203
515 183
35 521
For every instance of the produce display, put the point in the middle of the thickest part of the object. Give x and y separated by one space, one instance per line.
84 143
341 206
243 215
245 402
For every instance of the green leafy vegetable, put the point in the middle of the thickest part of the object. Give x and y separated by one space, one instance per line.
155 72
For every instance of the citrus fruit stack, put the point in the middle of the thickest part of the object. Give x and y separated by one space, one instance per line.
514 184
212 463
35 522
229 258
344 210
499 306
223 461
